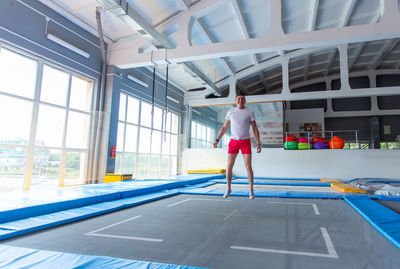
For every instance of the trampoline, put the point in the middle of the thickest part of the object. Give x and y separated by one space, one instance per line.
212 232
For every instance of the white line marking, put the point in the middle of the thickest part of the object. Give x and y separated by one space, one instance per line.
179 202
94 233
231 214
329 245
316 211
115 224
199 199
217 200
126 237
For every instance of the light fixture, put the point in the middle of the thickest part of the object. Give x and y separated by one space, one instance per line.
173 99
138 81
67 45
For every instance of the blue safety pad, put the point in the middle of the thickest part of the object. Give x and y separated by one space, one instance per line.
280 178
185 177
319 184
28 225
386 198
17 257
15 206
385 220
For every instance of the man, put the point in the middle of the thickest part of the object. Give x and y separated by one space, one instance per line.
241 118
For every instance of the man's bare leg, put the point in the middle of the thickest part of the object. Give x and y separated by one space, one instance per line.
231 162
249 168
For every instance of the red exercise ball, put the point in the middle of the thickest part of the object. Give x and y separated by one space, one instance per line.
336 143
289 138
318 139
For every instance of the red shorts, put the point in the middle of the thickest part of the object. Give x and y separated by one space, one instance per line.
243 145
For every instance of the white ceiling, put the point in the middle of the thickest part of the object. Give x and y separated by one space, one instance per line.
241 20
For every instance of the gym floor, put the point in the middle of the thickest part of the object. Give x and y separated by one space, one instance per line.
212 232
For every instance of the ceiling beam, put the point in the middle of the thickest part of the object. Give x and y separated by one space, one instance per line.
307 66
329 37
314 14
287 96
123 10
243 25
330 60
385 50
347 13
211 39
359 51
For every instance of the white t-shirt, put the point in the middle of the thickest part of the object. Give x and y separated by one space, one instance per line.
240 122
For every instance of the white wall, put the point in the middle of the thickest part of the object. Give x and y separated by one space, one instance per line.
339 163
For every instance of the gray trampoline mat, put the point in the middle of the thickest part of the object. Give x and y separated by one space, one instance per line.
212 232
274 188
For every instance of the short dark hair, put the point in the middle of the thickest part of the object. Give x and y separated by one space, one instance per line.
240 93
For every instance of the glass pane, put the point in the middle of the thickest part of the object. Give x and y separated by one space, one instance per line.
129 163
75 168
118 162
175 123
81 93
156 142
193 131
15 117
203 132
12 168
77 130
174 144
145 116
54 86
198 128
164 166
158 118
50 127
167 124
174 167
144 142
142 165
13 67
208 134
155 166
120 136
165 143
133 110
122 107
131 138
46 168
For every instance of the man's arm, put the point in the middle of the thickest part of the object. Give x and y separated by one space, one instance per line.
222 132
257 135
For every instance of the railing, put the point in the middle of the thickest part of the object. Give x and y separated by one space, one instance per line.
350 137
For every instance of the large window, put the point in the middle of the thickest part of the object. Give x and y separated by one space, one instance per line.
45 114
146 148
202 136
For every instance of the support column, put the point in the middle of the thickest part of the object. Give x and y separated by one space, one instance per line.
344 68
285 76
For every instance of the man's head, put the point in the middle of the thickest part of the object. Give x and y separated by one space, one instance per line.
240 100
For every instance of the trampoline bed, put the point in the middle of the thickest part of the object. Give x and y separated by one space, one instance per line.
212 232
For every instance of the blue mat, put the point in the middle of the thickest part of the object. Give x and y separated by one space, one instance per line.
319 184
16 257
385 220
